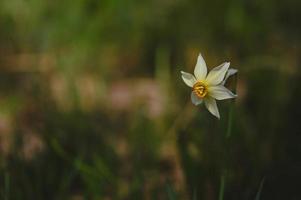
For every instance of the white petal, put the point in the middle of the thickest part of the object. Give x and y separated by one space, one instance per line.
200 70
217 74
229 73
210 104
219 92
189 79
195 100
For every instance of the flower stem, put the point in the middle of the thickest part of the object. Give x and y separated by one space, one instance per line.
230 116
222 187
230 119
228 134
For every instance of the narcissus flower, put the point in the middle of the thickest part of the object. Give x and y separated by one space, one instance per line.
209 87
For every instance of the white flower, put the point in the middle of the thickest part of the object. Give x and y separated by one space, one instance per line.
209 87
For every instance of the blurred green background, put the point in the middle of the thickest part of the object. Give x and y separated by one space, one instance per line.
92 105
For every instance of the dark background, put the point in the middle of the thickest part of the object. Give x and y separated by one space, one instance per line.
92 105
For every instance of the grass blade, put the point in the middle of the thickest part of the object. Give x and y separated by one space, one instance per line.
259 190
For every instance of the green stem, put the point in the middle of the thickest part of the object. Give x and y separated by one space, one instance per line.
228 134
230 116
222 188
230 119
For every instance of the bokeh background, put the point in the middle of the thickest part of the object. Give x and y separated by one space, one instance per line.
92 105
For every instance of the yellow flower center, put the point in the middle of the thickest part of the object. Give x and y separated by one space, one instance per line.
200 89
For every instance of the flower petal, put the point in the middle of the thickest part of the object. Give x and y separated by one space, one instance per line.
189 79
210 104
200 70
229 73
219 92
217 74
195 100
